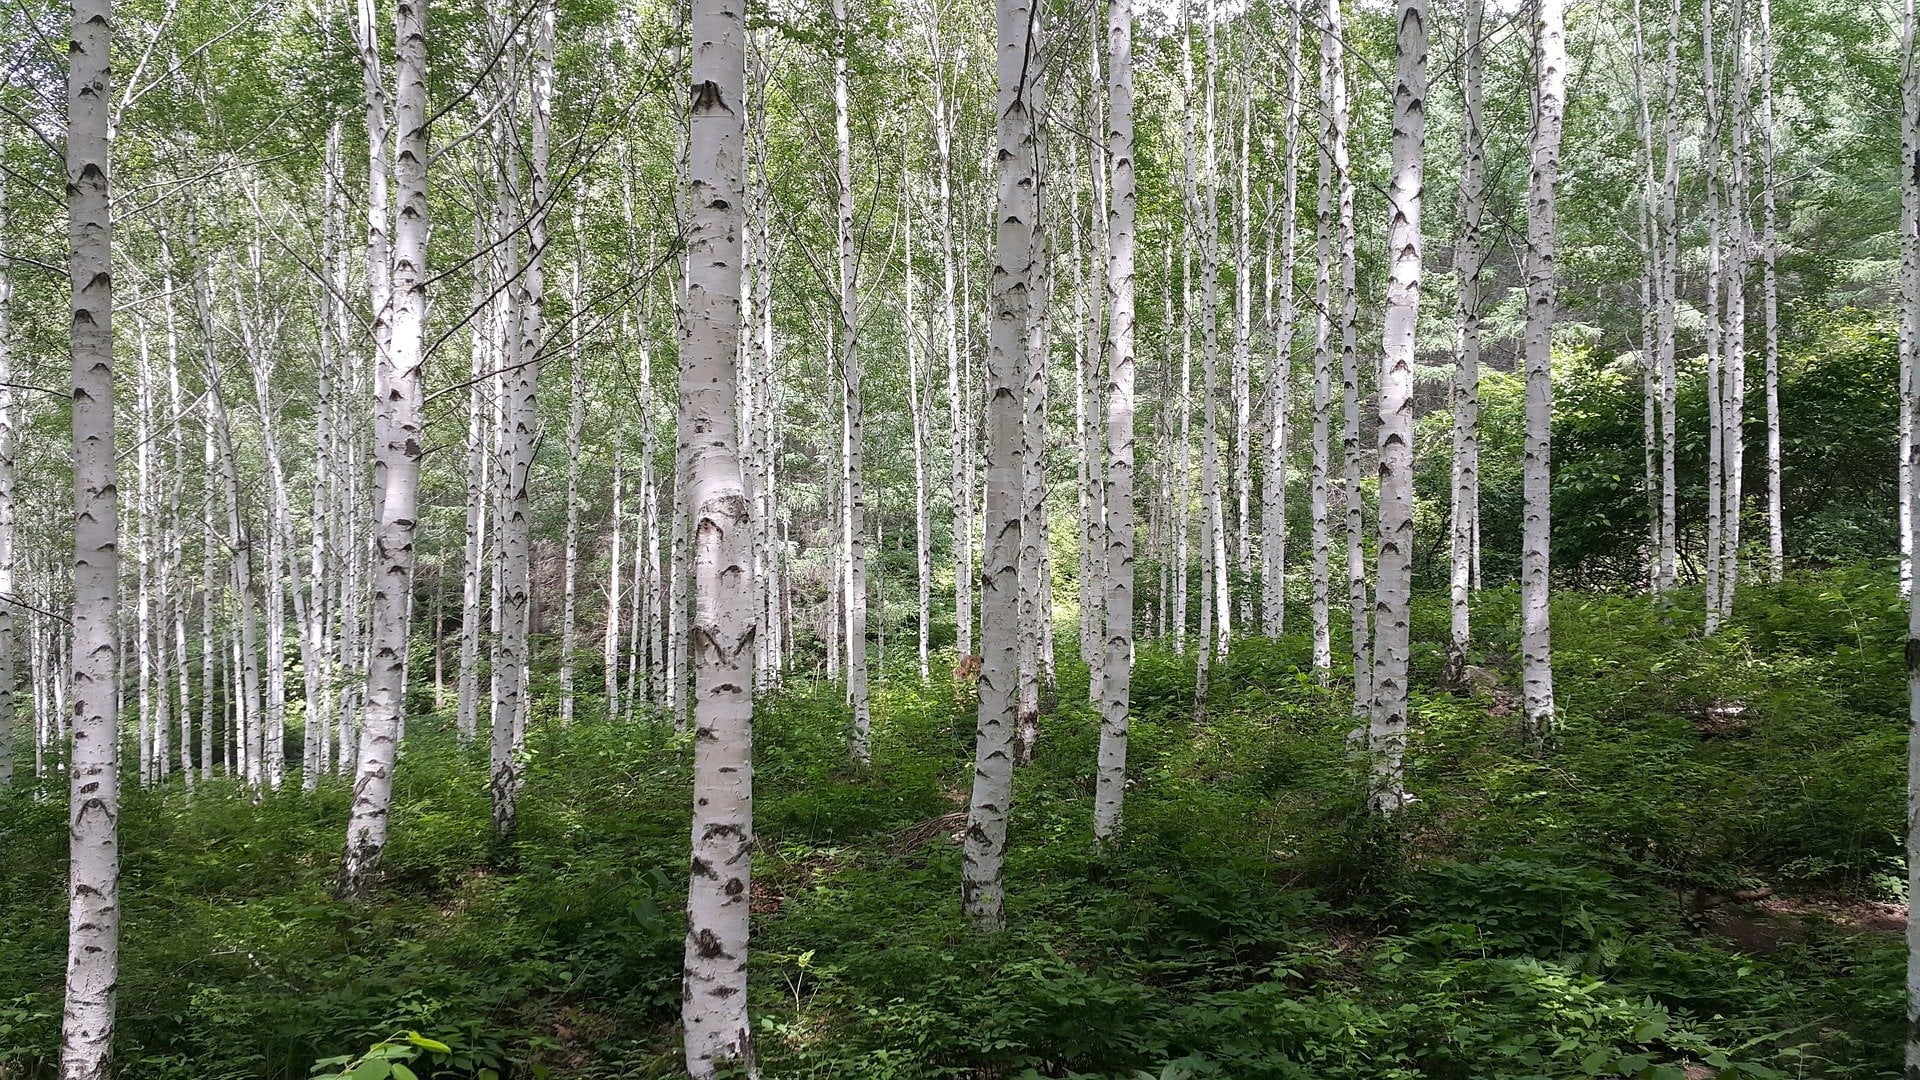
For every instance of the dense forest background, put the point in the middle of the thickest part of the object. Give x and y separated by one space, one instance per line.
1698 871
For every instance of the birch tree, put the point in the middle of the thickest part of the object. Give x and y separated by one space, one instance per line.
720 636
982 885
853 497
1536 645
1117 659
1468 259
1910 327
10 628
1392 621
1319 478
1273 494
93 809
399 439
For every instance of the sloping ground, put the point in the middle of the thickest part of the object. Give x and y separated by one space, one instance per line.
1576 912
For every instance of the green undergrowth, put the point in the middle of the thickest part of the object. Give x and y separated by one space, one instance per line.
1566 913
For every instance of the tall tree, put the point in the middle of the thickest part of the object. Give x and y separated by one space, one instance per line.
1392 623
1016 207
1273 494
1536 643
1770 296
853 484
720 637
1469 257
528 294
11 638
400 438
1910 327
93 809
1116 678
1320 478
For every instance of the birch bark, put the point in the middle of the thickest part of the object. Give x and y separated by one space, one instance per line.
853 416
1394 591
1536 644
1273 494
399 440
983 871
1320 470
714 1001
1468 260
93 913
1117 659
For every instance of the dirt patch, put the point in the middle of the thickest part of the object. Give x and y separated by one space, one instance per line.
1762 925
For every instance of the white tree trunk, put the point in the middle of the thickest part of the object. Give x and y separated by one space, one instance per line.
530 300
399 423
1770 299
1116 681
1468 258
1016 208
11 638
1243 353
93 913
610 641
576 421
1273 494
1910 331
1739 240
1320 478
1339 123
1536 644
1036 607
1715 336
1212 501
1392 622
921 416
721 635
853 416
959 390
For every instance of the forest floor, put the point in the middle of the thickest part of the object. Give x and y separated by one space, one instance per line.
1701 877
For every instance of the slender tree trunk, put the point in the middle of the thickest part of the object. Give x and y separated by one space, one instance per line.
1211 498
93 914
1715 334
399 440
1667 296
1739 241
1243 354
576 421
1468 259
610 641
510 706
1338 126
920 413
1910 327
1036 607
1770 299
1536 645
1116 679
11 638
1273 495
1016 208
1320 477
959 403
1392 622
721 635
853 416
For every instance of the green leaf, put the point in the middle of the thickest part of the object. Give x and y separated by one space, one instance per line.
425 1043
401 1072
